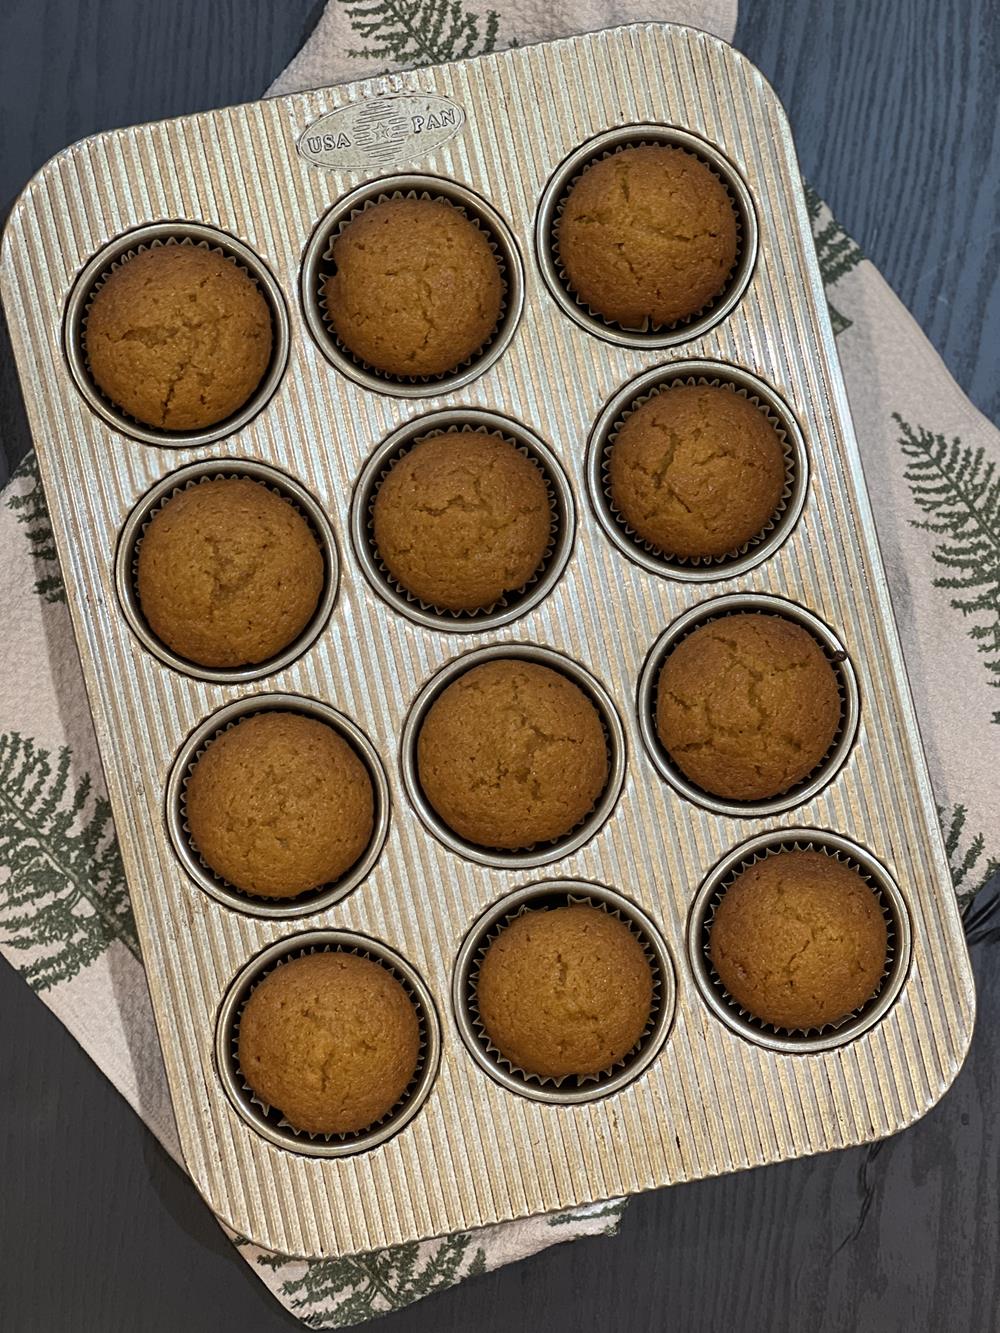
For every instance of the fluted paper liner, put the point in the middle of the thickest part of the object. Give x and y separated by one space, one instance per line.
309 899
596 1081
501 857
827 766
483 614
178 234
750 1021
324 271
704 313
716 562
358 1140
187 478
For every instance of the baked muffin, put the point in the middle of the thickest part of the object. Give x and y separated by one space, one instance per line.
462 519
697 470
799 940
565 991
178 337
280 804
229 573
747 706
647 236
416 287
512 754
331 1040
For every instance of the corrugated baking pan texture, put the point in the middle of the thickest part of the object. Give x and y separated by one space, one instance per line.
711 1101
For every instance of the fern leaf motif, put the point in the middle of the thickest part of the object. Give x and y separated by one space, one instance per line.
334 1293
969 872
63 898
30 508
420 32
837 253
959 491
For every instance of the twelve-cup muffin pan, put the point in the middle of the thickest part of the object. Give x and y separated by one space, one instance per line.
707 1089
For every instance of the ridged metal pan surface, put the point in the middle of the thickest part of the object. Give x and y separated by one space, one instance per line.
475 1151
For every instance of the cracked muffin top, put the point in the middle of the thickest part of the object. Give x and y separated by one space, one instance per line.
512 754
799 940
279 804
178 337
647 236
331 1040
697 470
416 288
463 518
747 706
229 573
565 991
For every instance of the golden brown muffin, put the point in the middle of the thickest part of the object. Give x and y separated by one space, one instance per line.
566 991
462 519
747 706
697 470
279 804
799 940
331 1040
178 336
228 573
647 235
416 289
511 754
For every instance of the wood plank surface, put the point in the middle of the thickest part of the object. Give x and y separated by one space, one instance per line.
893 103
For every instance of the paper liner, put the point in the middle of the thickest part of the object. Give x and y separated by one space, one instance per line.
576 1080
823 771
697 317
179 234
357 1140
776 847
326 265
537 852
482 614
308 900
717 562
127 565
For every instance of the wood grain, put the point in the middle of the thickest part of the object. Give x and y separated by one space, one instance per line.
893 103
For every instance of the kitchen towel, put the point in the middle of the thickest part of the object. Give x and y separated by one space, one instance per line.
930 463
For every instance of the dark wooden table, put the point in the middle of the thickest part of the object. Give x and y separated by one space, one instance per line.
893 103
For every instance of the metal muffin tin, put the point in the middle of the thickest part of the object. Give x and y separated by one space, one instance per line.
476 1151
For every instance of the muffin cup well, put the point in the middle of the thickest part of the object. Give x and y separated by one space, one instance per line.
539 853
312 900
741 604
131 537
268 1121
553 201
318 259
661 379
898 948
571 1089
512 604
99 269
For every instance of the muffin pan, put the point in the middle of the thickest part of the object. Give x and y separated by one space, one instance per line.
706 1092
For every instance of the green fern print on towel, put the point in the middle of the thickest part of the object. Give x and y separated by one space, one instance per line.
837 253
420 32
31 510
339 1292
969 871
63 899
959 492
